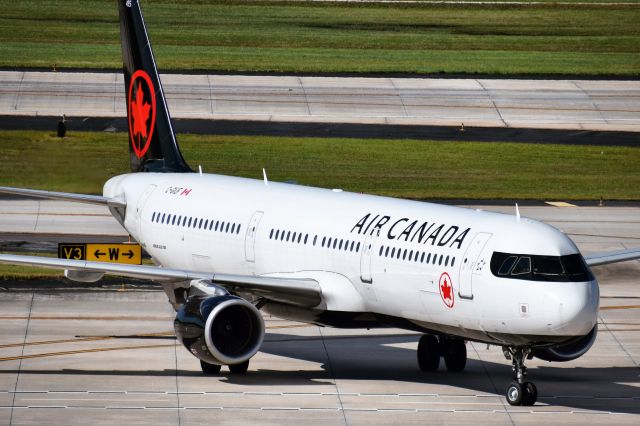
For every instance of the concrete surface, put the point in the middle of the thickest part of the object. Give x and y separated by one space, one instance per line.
108 357
548 104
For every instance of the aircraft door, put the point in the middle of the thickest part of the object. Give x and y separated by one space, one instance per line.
365 258
141 203
469 265
250 237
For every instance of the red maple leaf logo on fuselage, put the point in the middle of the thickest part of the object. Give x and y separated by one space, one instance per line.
446 289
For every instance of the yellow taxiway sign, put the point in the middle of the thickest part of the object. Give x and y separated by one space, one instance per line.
115 253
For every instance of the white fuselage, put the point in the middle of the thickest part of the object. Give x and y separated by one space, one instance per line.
400 260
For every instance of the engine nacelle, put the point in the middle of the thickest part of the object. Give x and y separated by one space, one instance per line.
222 330
568 351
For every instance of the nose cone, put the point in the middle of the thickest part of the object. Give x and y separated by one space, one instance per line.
576 308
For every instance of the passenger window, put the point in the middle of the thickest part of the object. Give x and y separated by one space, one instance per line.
340 245
153 217
358 248
428 257
200 224
453 261
523 266
446 261
440 261
324 239
189 225
386 252
238 228
306 238
173 222
271 234
422 258
299 237
381 248
399 254
506 265
293 240
206 224
315 240
335 243
227 228
411 255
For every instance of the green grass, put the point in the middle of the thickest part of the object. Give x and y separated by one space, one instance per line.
15 272
326 38
399 168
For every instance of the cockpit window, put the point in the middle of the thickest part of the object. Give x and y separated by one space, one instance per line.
523 266
506 266
570 268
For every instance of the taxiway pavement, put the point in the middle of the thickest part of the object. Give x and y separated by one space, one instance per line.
545 104
109 356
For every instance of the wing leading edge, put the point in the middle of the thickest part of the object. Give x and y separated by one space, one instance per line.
295 291
65 196
597 259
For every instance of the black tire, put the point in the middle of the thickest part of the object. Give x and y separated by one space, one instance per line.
211 369
514 394
239 368
529 394
455 354
428 353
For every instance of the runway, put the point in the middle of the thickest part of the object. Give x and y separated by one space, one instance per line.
544 104
107 356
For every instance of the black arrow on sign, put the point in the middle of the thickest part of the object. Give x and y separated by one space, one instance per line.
129 254
98 253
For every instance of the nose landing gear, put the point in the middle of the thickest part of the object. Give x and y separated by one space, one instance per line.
520 392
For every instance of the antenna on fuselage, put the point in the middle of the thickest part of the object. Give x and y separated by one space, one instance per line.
517 213
264 176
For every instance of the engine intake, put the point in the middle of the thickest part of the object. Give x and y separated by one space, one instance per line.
222 330
568 351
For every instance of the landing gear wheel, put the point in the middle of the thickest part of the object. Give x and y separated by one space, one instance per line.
514 394
529 394
455 354
210 368
239 368
428 353
520 392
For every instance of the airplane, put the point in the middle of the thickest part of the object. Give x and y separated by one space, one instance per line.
226 248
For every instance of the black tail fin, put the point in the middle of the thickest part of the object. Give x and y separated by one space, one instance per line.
152 142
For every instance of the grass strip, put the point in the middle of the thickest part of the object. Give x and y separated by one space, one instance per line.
416 169
236 36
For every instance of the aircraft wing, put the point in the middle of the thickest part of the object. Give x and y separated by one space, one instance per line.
295 291
597 259
66 196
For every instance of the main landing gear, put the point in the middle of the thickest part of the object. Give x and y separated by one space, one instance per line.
212 369
432 348
520 392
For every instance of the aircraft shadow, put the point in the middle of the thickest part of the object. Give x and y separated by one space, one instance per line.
375 357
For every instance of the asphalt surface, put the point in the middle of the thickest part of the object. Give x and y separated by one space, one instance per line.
591 105
108 355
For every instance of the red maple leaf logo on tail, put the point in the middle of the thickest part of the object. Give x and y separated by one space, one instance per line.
140 113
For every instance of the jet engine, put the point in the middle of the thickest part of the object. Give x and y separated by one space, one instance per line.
223 330
567 351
